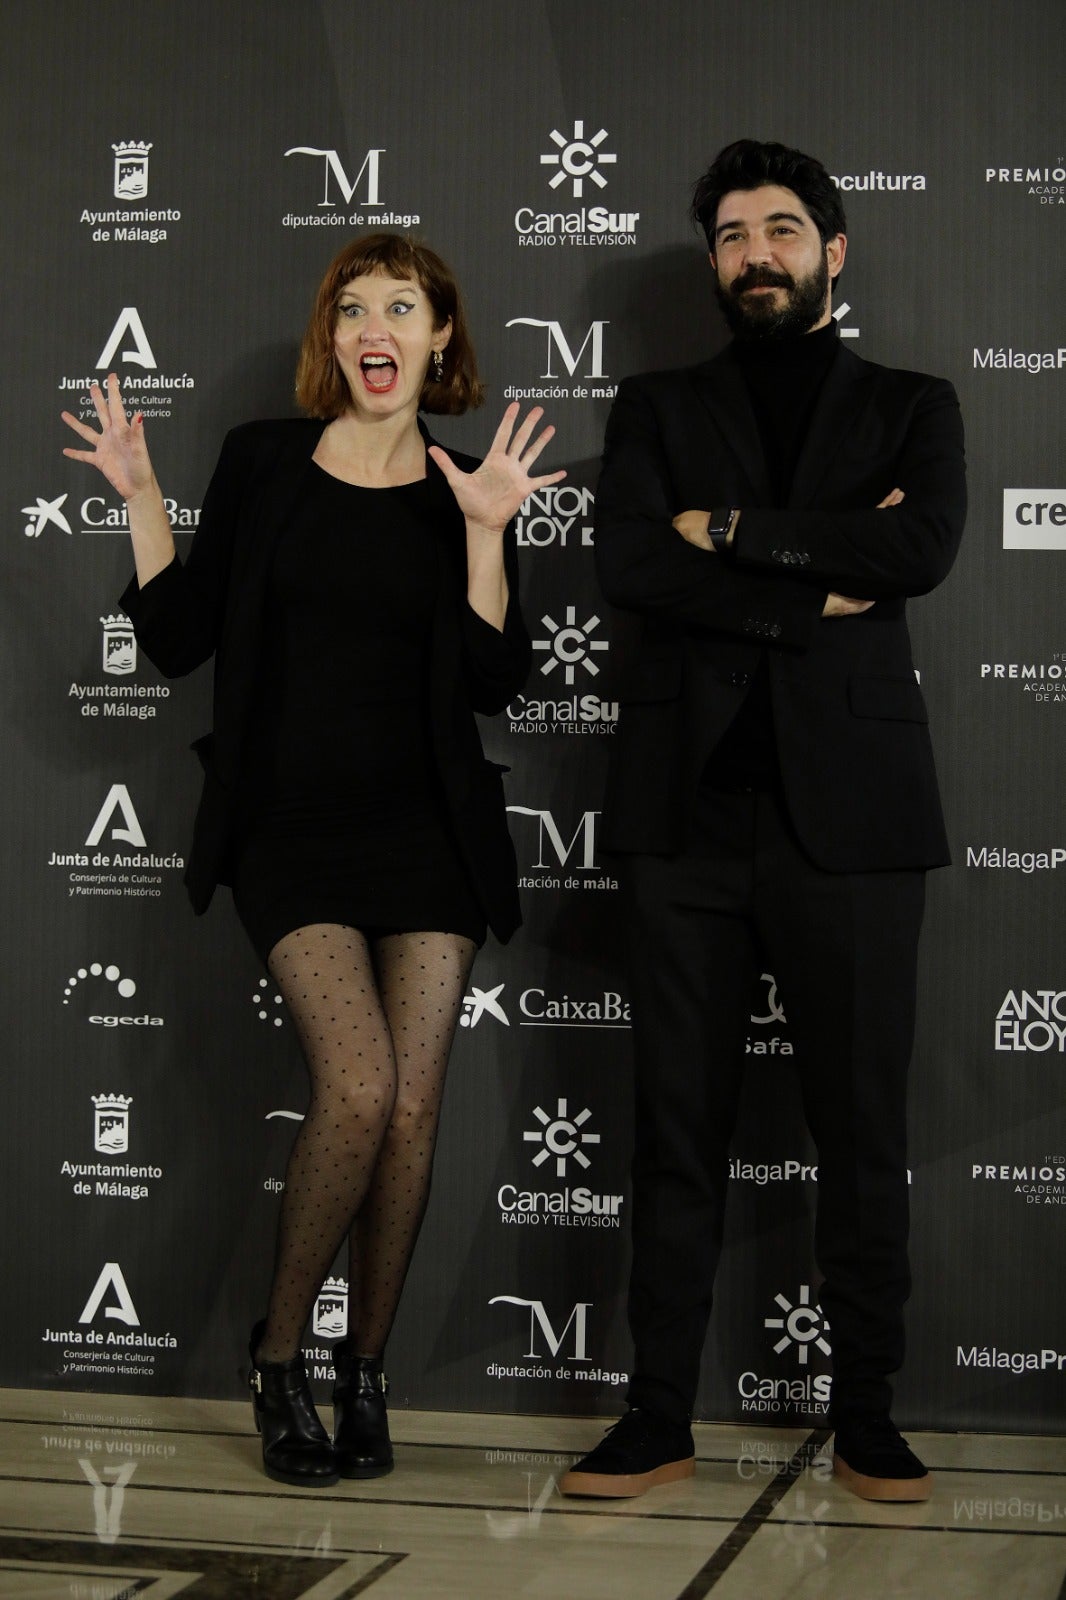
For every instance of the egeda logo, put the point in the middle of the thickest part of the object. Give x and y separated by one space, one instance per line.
87 980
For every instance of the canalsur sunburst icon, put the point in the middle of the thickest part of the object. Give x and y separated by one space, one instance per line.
578 158
802 1325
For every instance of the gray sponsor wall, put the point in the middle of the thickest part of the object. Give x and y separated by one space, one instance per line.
176 178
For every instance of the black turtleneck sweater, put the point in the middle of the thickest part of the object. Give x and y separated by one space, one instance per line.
783 378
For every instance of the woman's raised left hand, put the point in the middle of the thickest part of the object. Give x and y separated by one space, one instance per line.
491 496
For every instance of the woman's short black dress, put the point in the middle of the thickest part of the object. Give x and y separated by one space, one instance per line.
343 817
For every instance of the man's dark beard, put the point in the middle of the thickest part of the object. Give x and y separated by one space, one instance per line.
758 318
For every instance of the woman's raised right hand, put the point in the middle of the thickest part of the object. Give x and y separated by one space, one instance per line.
118 448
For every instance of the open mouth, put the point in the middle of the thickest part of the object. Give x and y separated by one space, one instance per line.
379 373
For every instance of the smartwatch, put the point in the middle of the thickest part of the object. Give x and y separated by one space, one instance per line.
719 524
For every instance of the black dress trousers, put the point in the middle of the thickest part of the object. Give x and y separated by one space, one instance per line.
843 950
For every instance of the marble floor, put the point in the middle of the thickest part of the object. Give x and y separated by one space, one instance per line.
111 1497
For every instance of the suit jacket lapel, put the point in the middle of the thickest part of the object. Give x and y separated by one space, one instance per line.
724 394
842 398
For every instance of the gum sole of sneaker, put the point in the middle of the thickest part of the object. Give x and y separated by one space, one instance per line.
900 1490
612 1486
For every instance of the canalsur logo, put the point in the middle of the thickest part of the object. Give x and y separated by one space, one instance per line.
339 191
565 359
1044 184
483 1003
801 1326
330 1319
1041 681
1032 1022
46 514
576 164
148 391
135 223
570 645
560 1137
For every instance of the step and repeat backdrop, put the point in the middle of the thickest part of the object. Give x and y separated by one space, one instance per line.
176 178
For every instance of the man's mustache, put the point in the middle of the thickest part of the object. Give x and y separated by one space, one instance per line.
760 278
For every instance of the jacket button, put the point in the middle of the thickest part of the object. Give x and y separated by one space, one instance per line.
738 678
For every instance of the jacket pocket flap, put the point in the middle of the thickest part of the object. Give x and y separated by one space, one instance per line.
894 699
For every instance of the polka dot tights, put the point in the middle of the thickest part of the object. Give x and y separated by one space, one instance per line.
376 1020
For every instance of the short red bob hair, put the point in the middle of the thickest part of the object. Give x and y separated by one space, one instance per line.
321 387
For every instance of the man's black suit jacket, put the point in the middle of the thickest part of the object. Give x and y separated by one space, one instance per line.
849 718
215 603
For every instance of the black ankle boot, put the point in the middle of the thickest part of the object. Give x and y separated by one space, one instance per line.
296 1447
361 1442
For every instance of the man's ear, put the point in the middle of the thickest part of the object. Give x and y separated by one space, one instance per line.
835 250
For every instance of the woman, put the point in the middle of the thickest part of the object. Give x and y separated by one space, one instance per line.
357 586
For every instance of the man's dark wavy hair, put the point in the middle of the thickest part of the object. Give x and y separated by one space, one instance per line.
749 164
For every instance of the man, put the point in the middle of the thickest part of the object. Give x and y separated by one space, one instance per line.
773 798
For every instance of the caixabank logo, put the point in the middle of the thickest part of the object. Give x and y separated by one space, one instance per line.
146 389
797 1331
135 222
578 166
94 1346
558 1343
102 869
110 1179
1032 1022
351 187
539 1007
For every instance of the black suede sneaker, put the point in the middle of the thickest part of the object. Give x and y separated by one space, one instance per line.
874 1461
640 1451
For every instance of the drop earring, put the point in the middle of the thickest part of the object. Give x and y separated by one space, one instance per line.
438 366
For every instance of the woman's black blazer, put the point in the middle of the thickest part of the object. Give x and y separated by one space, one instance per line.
214 603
